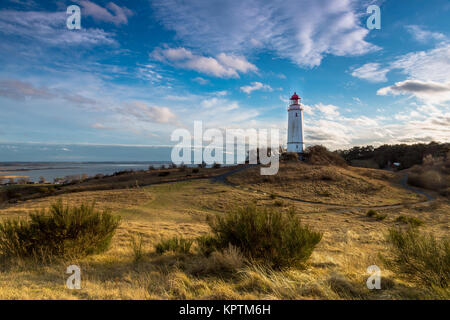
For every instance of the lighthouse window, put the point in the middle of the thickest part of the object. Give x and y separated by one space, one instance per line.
296 115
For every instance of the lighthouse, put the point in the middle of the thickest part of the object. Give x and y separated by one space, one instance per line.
295 141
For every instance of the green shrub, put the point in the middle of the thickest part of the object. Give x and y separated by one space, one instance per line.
264 235
61 232
273 196
412 221
377 216
371 213
278 203
195 170
175 244
207 244
421 256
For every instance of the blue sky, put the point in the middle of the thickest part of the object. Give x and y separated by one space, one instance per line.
137 70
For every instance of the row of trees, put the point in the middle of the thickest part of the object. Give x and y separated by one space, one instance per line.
406 155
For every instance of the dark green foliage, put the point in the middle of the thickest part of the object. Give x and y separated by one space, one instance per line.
413 221
406 155
421 256
278 203
59 232
263 235
175 244
195 170
207 244
371 213
377 216
163 173
380 216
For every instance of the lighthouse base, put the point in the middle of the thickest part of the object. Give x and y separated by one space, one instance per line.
295 147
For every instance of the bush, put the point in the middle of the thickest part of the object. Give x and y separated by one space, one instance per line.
289 156
371 213
421 256
412 221
175 244
429 179
61 232
207 244
195 170
278 203
264 235
216 165
319 155
163 173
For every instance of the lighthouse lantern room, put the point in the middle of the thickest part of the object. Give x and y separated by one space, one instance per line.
295 141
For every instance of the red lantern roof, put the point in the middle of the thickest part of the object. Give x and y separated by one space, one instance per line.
295 96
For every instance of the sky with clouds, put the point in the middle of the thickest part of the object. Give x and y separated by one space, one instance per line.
137 70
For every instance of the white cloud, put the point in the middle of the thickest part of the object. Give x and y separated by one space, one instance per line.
428 91
300 30
371 72
431 65
328 110
49 28
19 90
201 80
423 35
254 86
224 66
143 112
116 15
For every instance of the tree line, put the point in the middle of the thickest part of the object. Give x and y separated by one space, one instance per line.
406 155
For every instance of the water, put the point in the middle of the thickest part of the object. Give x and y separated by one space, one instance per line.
50 171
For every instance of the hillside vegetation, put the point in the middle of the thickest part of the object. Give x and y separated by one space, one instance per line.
433 174
382 156
166 247
327 184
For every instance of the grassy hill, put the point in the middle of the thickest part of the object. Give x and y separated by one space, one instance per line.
131 269
328 184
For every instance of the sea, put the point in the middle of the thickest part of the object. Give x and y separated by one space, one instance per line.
52 170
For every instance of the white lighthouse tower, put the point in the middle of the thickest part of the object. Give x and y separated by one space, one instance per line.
295 141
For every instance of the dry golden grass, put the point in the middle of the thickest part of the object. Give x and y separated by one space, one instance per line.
337 268
327 184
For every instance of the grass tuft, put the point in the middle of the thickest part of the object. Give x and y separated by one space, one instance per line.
421 256
175 244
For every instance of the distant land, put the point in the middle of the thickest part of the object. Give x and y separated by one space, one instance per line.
31 152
